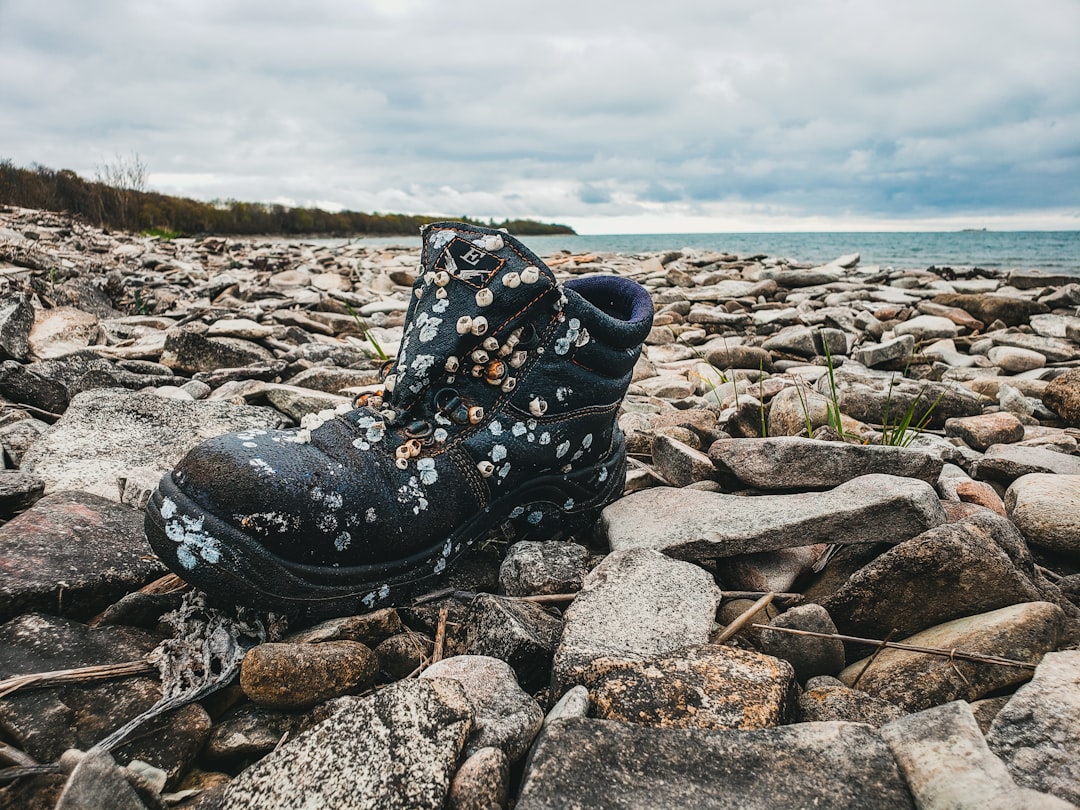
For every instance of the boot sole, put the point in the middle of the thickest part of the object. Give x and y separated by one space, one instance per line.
226 563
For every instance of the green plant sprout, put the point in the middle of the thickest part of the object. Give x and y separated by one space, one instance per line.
366 332
901 434
832 406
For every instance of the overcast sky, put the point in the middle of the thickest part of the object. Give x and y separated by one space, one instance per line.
631 116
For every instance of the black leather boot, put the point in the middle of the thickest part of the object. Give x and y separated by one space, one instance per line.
498 414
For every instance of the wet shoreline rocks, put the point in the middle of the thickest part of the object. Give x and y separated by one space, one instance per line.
890 453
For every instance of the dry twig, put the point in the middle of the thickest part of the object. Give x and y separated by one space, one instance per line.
440 636
744 618
101 672
895 645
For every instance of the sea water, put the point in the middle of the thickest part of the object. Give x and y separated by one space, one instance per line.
1049 251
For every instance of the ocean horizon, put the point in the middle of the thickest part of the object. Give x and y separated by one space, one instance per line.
1049 251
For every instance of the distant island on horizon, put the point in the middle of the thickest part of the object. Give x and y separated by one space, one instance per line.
121 201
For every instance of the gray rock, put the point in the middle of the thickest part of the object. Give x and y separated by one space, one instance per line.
46 722
711 686
397 748
481 783
532 568
522 634
768 570
826 699
988 308
575 703
1005 463
16 321
947 764
797 340
504 715
739 356
402 654
1037 734
691 524
790 410
1046 509
867 399
73 554
293 676
1053 349
635 604
18 491
106 433
95 780
795 463
189 352
888 351
809 656
248 732
945 573
17 437
299 402
808 277
916 681
927 327
680 464
597 763
1013 360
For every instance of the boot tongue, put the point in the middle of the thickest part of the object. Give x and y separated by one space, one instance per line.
476 286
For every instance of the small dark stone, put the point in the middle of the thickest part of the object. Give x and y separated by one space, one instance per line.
18 491
522 634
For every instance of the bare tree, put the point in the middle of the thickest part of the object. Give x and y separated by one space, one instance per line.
126 177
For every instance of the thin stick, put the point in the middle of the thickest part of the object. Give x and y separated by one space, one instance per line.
440 636
895 645
100 672
780 597
14 756
744 618
873 657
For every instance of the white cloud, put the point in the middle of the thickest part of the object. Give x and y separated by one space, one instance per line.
651 115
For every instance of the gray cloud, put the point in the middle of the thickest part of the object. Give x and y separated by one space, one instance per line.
571 111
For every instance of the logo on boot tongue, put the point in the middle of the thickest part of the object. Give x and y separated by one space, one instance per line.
468 262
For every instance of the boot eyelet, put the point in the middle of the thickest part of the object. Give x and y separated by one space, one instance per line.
509 384
401 463
479 325
491 344
486 468
518 358
476 414
479 356
465 325
484 297
477 371
442 278
511 280
418 429
530 275
452 364
495 371
538 406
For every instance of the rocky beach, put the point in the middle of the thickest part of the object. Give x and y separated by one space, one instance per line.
845 571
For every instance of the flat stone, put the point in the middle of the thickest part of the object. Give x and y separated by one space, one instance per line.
73 554
299 402
927 327
635 604
867 399
504 715
16 438
946 762
768 570
1005 463
46 722
239 328
62 330
370 629
796 463
679 463
16 321
797 340
248 732
692 524
710 687
1037 734
738 356
1053 349
888 351
331 379
292 676
1012 360
1046 509
667 386
531 568
945 573
916 681
827 699
522 634
18 491
990 307
1062 396
188 352
810 277
601 763
397 748
808 656
107 432
982 431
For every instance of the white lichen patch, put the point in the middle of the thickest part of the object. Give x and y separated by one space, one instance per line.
411 494
370 515
562 449
586 443
563 392
426 468
569 504
421 363
603 475
518 429
261 466
440 239
342 541
498 452
545 437
496 427
504 470
439 307
194 543
429 327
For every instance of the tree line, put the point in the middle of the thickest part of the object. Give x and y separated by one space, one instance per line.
118 199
